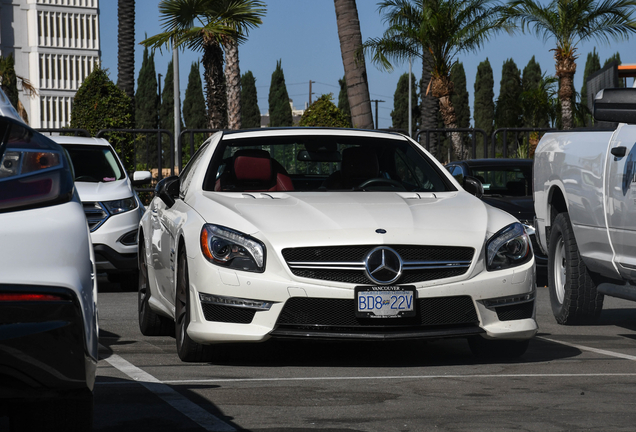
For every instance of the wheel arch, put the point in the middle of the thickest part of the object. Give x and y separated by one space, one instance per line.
556 204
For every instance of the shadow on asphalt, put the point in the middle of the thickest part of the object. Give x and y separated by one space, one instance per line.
451 352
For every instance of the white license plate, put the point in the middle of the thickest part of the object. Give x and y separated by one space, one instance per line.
384 302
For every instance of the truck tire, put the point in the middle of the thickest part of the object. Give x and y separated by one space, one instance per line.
573 295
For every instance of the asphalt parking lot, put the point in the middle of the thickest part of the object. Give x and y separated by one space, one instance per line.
571 379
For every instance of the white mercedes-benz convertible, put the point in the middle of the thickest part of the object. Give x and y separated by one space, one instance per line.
329 234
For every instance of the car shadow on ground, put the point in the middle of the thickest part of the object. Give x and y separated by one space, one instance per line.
403 354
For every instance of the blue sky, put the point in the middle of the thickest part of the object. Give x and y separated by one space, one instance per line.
303 34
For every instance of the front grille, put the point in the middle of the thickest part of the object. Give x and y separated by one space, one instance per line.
331 314
515 311
227 314
346 263
95 213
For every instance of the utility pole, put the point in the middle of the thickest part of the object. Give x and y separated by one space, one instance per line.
376 111
158 124
310 92
177 108
410 101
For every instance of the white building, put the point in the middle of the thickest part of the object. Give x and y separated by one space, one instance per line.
55 44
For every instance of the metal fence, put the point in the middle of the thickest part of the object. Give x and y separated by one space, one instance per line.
503 143
154 149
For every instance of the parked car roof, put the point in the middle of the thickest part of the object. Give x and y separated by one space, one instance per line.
61 139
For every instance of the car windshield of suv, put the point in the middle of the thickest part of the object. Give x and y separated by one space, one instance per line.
94 164
505 181
322 163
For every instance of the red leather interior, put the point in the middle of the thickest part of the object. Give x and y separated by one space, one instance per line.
254 171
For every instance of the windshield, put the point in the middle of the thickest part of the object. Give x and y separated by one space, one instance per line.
94 164
505 181
322 163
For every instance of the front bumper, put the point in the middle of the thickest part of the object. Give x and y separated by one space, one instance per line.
109 260
115 242
495 304
43 350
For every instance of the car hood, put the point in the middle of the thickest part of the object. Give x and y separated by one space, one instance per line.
347 218
103 191
520 207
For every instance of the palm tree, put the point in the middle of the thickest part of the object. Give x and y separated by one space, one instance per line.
209 26
570 22
437 31
126 47
355 69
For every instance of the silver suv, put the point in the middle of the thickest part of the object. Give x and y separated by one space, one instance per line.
112 206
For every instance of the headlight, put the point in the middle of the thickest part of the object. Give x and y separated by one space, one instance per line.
232 249
509 247
120 206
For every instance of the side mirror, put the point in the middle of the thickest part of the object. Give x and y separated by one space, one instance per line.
473 186
168 190
140 178
616 105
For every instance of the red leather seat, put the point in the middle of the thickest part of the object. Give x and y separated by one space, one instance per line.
254 171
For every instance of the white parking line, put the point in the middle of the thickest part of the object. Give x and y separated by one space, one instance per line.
395 377
188 408
590 349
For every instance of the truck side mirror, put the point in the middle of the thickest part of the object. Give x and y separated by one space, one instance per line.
616 105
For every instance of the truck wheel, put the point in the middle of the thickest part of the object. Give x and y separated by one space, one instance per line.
187 349
573 295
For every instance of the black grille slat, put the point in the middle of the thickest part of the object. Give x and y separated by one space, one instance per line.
356 254
358 277
339 313
227 314
515 311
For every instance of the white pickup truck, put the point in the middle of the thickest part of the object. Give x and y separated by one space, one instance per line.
585 204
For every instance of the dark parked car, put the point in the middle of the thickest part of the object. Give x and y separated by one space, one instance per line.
507 185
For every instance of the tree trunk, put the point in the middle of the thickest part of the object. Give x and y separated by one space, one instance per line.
215 97
355 69
126 47
233 82
565 70
442 88
430 106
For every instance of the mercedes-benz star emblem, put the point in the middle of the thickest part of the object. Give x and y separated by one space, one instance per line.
383 265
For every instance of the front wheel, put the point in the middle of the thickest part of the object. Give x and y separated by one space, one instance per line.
187 349
150 323
573 295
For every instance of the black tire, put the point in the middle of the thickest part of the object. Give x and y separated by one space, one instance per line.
150 323
187 349
573 295
72 412
497 349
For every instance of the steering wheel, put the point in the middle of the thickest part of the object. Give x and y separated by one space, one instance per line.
381 180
